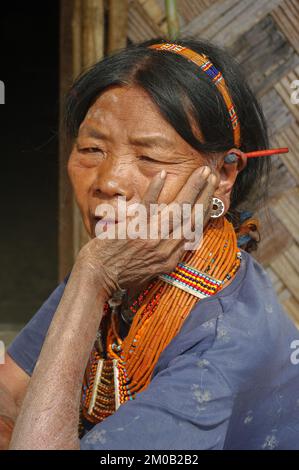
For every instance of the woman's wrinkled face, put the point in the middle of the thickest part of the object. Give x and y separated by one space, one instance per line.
122 143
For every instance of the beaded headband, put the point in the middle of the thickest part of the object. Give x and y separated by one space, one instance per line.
217 78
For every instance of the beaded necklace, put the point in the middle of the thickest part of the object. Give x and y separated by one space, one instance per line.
119 369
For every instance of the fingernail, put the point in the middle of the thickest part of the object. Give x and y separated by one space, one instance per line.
205 171
163 174
213 178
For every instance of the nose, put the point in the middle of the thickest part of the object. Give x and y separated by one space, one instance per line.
113 179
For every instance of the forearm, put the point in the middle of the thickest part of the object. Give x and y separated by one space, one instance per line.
49 415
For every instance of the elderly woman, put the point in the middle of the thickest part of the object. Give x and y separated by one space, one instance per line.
147 345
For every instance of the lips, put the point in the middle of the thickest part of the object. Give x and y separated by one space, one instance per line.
100 223
98 217
104 221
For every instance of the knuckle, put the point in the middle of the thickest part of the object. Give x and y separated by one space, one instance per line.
163 256
195 185
168 258
170 265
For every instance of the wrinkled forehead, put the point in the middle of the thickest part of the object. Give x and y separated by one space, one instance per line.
130 111
127 107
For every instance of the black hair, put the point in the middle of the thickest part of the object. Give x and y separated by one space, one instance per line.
180 90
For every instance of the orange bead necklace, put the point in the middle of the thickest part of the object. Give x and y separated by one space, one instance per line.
119 368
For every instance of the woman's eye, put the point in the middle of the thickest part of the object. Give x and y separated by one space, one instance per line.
162 161
90 150
145 158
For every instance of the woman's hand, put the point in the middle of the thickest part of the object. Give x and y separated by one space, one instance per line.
101 266
114 263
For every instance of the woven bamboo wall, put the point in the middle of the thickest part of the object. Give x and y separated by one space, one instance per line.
264 37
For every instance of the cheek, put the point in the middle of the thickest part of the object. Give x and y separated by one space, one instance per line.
80 179
138 182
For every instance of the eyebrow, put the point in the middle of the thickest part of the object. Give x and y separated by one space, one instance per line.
144 141
93 132
150 141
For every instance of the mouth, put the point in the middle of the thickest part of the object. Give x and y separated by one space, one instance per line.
103 219
100 223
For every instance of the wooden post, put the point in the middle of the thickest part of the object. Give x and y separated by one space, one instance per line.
172 19
81 44
92 31
118 25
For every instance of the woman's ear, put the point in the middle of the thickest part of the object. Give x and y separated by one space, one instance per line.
231 163
235 155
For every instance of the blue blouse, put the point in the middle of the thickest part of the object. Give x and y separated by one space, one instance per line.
228 380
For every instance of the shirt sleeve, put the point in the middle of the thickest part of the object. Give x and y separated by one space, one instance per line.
26 347
187 406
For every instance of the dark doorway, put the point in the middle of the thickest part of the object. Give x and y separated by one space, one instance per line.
29 61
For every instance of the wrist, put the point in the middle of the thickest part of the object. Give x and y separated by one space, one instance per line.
96 280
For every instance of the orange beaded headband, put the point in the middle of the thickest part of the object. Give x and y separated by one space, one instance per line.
206 65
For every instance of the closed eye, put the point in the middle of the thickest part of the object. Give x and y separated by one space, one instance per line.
145 158
90 150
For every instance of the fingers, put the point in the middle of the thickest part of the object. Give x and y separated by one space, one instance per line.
195 184
206 197
192 225
199 189
152 193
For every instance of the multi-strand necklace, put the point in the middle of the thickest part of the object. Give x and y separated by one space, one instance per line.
119 368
